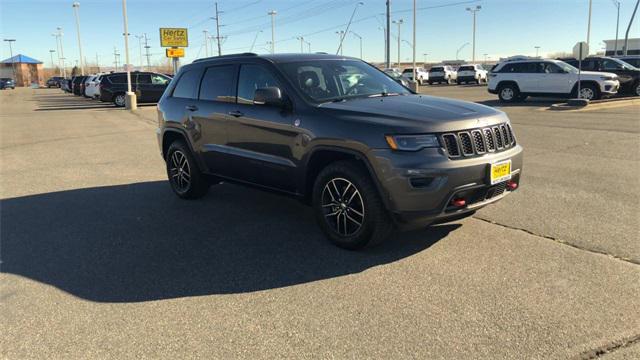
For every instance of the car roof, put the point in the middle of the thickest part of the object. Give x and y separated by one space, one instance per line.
278 58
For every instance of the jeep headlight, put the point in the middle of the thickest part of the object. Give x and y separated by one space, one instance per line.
412 142
608 77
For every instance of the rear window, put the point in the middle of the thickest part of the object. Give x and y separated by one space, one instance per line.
467 68
437 68
188 84
406 71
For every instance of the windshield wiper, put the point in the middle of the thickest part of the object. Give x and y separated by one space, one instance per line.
384 94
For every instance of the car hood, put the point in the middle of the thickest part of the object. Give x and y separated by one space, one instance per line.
416 113
596 73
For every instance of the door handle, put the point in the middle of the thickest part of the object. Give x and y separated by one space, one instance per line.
236 113
191 108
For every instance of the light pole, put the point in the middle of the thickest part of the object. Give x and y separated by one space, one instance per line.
625 48
253 44
399 22
301 43
360 38
425 59
140 37
340 35
460 49
53 66
76 6
589 26
13 63
384 32
616 3
130 101
474 11
537 49
485 58
346 31
206 42
58 49
273 14
62 58
308 45
415 79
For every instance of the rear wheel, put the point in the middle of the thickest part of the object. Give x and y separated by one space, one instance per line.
348 207
508 93
636 89
119 100
184 174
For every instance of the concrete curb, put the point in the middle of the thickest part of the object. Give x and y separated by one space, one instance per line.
598 104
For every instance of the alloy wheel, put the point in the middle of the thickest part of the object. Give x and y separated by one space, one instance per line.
120 100
180 171
587 93
342 206
638 89
507 93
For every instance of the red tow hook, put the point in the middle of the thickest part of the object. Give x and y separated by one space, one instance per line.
458 202
512 185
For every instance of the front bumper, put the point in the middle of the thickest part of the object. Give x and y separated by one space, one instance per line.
467 78
420 186
610 87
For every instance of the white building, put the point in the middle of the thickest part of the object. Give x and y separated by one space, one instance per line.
634 46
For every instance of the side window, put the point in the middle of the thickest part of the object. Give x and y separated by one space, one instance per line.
118 79
143 79
533 67
253 77
610 65
188 85
159 79
217 84
551 68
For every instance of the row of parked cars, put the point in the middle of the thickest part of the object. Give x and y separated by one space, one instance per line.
442 74
519 77
111 87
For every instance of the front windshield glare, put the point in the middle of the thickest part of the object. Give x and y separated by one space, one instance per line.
328 80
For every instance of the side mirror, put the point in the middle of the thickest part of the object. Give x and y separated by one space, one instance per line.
268 96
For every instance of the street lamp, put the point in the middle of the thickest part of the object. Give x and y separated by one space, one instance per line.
273 13
384 32
140 37
616 3
474 11
53 66
485 58
344 33
340 35
399 22
425 58
537 49
308 45
130 101
62 58
301 38
13 63
460 49
76 6
254 40
360 38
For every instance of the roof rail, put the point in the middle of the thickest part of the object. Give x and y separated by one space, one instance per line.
321 53
518 58
226 56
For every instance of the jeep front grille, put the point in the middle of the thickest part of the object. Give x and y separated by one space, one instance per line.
477 142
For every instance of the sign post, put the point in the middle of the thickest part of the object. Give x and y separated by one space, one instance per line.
580 51
174 39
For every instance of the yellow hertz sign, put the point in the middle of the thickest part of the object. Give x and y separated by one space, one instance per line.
175 52
173 37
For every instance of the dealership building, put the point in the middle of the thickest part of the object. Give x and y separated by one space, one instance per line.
27 71
633 44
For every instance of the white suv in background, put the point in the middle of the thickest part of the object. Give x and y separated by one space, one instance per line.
442 74
421 74
92 86
515 79
472 73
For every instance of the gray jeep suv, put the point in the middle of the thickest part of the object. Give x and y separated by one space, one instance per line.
367 154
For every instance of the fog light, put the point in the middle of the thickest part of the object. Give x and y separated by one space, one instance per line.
512 185
458 202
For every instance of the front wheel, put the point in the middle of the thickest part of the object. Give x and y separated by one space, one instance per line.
589 92
508 93
184 174
348 207
636 89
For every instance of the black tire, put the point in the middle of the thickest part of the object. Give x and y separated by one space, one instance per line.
185 177
365 206
430 82
508 93
636 88
119 99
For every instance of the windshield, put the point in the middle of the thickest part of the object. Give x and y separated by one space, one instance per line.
625 65
566 67
333 80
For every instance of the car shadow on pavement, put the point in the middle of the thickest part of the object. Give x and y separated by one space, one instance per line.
138 242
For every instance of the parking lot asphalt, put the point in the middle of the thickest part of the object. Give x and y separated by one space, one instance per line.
101 260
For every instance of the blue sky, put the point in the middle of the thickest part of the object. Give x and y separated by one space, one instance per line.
504 27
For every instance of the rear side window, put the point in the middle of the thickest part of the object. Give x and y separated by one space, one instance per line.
467 68
144 79
188 85
253 77
217 84
118 79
